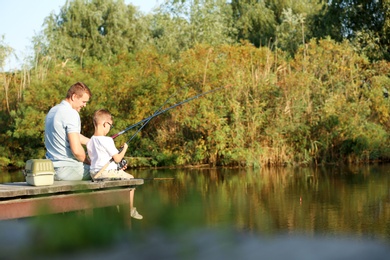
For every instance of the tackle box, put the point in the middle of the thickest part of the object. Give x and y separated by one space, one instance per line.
39 172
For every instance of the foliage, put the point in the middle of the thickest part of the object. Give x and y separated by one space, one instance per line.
307 101
366 23
97 28
5 52
180 25
276 23
291 32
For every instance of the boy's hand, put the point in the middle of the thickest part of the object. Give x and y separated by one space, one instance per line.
122 165
123 147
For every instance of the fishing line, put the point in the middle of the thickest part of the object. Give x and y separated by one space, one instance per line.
123 162
151 117
145 121
165 110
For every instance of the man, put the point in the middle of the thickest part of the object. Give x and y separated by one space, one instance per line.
63 138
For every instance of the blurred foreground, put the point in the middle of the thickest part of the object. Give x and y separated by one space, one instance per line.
21 240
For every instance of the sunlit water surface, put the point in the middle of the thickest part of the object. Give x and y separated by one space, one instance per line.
305 203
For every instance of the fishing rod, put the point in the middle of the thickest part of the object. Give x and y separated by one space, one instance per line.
157 179
97 176
157 113
145 179
147 120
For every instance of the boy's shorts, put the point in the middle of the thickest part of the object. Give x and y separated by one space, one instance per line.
114 174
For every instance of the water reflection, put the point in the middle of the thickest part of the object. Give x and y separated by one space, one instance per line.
336 201
11 176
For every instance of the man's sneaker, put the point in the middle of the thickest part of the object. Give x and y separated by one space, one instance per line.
134 214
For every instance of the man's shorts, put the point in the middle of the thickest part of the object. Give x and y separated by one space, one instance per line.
72 173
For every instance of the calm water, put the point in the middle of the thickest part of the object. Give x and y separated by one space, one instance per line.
324 202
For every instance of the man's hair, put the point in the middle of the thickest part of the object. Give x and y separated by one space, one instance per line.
101 115
79 88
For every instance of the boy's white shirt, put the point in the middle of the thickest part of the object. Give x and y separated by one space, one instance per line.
100 151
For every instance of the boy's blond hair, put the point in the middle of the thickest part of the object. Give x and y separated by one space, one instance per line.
101 115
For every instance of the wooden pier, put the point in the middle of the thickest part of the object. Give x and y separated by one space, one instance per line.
20 200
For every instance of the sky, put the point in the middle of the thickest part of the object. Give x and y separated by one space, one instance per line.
20 20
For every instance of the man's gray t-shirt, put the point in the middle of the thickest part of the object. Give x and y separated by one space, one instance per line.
61 120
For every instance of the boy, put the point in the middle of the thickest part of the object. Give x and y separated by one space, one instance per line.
101 149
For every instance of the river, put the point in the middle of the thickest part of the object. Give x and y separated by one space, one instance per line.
306 211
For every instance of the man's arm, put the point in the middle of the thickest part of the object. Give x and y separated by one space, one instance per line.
75 141
84 140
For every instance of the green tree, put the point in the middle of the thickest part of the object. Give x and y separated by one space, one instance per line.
180 25
291 32
5 53
365 22
275 22
254 21
98 29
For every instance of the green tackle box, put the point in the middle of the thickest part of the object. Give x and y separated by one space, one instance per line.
39 172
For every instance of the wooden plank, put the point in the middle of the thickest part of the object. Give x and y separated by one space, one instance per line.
20 189
21 208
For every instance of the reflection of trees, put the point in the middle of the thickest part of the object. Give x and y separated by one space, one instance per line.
336 201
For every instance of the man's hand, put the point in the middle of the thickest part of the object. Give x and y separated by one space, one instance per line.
77 149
